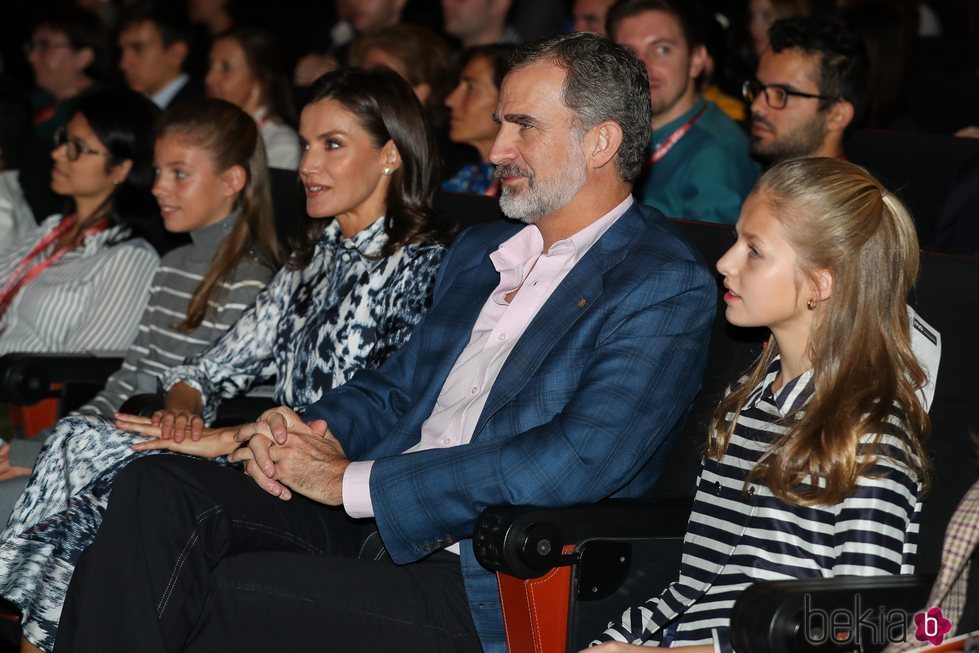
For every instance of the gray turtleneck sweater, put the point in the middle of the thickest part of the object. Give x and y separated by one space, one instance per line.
159 345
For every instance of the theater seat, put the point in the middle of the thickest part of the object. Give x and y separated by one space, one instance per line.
42 387
592 562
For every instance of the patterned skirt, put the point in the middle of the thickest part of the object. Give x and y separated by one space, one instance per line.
57 517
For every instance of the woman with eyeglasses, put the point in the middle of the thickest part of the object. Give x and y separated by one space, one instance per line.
79 282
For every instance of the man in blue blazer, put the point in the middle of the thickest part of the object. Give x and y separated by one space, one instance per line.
554 367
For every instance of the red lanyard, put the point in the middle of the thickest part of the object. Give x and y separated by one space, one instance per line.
25 272
664 148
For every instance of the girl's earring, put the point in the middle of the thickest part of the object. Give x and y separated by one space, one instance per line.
811 304
387 171
115 182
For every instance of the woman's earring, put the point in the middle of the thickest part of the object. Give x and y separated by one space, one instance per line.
387 170
811 304
115 182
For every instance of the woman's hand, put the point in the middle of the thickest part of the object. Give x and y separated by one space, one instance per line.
210 443
181 414
8 471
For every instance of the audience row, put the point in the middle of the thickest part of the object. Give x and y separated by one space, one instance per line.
554 357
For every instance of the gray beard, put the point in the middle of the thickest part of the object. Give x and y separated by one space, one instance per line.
542 197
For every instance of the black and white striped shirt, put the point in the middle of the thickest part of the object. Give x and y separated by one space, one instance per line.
159 346
90 300
735 538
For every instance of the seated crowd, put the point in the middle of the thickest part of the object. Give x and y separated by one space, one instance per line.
426 367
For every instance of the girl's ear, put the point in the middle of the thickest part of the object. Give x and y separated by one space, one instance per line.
822 282
234 178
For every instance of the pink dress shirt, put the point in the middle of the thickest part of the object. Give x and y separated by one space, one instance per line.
522 266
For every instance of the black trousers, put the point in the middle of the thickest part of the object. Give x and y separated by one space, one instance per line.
193 556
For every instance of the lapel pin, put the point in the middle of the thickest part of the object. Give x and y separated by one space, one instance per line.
581 303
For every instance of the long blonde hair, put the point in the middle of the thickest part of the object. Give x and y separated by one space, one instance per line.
838 217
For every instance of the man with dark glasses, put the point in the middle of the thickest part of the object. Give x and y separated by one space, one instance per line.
810 86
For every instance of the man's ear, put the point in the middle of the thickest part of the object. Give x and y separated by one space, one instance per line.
177 53
698 61
603 143
84 58
501 7
840 115
422 91
235 179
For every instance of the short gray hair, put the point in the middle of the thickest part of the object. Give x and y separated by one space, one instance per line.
605 81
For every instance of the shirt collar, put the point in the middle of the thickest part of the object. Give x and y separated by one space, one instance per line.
661 133
790 397
516 256
367 242
167 93
210 237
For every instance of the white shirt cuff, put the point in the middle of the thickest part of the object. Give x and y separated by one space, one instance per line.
357 489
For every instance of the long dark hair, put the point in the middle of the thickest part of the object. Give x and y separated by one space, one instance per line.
386 107
123 122
230 137
265 63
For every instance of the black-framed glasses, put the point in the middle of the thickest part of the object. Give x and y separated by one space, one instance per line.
43 46
776 95
73 149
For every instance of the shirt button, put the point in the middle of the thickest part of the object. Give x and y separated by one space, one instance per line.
447 441
502 336
474 390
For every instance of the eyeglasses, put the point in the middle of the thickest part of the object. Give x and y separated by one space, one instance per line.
73 149
43 46
776 95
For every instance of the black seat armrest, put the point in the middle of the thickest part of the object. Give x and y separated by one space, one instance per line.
527 542
827 614
27 378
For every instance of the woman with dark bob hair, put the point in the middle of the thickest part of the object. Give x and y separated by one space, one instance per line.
80 280
358 283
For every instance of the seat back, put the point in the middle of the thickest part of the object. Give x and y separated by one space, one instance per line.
652 564
288 204
918 167
945 296
732 350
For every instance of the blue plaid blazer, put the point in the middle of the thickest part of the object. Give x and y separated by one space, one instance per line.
585 407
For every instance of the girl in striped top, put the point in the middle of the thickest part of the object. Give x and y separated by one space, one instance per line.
815 466
212 183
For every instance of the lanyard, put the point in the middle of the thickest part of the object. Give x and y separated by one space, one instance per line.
24 273
664 148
